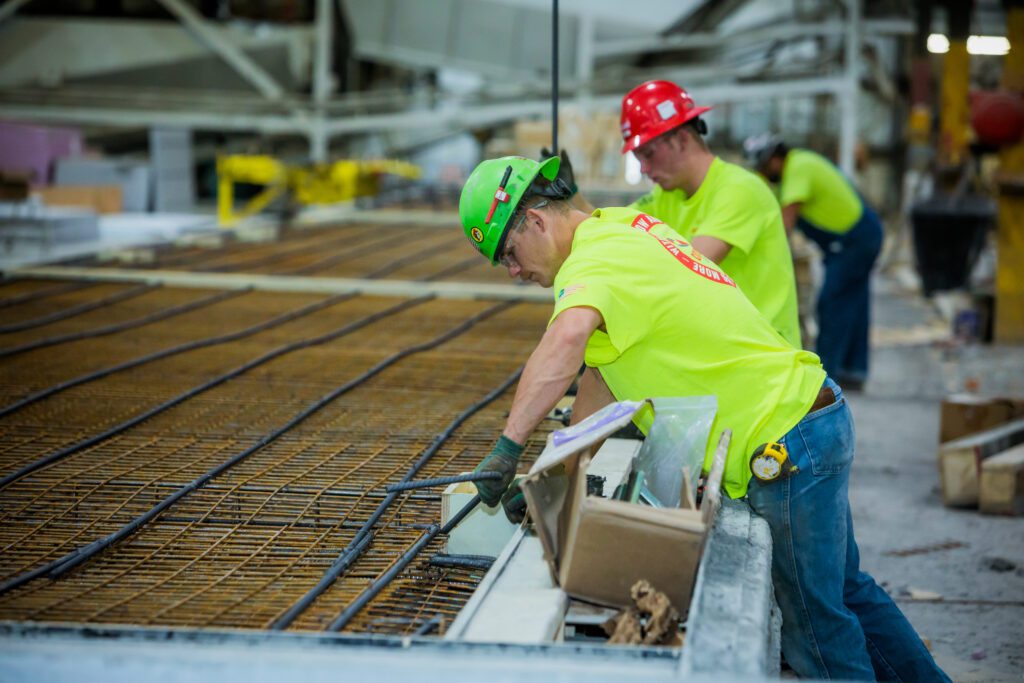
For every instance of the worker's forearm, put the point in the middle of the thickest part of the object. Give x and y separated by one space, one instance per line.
790 213
548 374
592 395
712 247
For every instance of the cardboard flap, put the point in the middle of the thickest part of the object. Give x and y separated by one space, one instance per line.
713 490
545 494
546 487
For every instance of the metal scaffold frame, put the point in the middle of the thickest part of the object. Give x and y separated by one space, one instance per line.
322 115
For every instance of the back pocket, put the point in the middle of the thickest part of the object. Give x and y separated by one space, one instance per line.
828 437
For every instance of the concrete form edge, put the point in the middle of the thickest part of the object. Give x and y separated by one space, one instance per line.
285 283
733 626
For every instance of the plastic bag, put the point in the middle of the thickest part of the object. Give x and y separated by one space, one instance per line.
675 444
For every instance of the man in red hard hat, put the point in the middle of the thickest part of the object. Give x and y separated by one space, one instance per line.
720 207
724 210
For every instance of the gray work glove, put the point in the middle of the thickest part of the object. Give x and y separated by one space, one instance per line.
503 458
514 503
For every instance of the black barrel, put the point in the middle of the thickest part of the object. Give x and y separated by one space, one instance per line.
948 236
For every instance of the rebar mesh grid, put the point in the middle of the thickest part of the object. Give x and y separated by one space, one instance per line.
243 549
350 251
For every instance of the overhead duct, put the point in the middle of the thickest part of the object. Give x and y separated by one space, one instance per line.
496 39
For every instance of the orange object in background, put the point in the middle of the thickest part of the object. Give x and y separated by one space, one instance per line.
100 198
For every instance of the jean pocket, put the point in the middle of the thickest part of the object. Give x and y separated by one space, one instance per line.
827 435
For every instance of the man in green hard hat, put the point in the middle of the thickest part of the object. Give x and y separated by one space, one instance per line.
650 316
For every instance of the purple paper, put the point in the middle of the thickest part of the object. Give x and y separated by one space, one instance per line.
614 412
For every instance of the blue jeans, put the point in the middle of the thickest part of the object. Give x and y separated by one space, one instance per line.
836 621
844 302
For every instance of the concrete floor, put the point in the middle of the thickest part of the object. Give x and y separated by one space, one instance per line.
977 629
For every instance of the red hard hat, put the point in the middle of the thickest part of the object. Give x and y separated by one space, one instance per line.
653 108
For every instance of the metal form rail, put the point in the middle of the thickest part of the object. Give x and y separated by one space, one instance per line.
396 251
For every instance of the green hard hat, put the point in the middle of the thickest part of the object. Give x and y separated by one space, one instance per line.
482 191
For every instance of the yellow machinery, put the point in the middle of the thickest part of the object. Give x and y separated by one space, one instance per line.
318 184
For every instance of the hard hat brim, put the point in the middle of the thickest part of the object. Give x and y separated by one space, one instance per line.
634 141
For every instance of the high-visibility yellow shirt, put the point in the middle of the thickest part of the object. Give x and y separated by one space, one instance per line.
676 325
733 205
828 200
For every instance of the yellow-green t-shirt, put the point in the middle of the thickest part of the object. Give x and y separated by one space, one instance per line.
676 325
827 199
733 205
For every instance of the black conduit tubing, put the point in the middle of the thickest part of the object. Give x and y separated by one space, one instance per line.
462 561
460 515
45 293
58 567
355 547
182 348
206 386
153 317
379 584
441 481
78 310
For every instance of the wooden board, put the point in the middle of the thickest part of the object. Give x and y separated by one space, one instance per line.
960 461
1002 483
965 414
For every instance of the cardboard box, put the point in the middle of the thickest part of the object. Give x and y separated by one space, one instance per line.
598 548
102 199
964 414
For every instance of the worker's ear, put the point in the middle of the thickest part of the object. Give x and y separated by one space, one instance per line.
539 218
682 139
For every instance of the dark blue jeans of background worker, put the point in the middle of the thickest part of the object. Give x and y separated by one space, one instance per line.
844 302
837 623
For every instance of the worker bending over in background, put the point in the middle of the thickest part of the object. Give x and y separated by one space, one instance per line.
819 200
724 210
651 316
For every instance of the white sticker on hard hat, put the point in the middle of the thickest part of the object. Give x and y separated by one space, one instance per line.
666 109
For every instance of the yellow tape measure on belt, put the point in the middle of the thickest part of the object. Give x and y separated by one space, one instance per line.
770 461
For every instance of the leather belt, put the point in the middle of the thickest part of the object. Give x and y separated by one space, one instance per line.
824 399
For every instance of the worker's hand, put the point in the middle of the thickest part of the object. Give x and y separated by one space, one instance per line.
565 173
503 459
514 503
